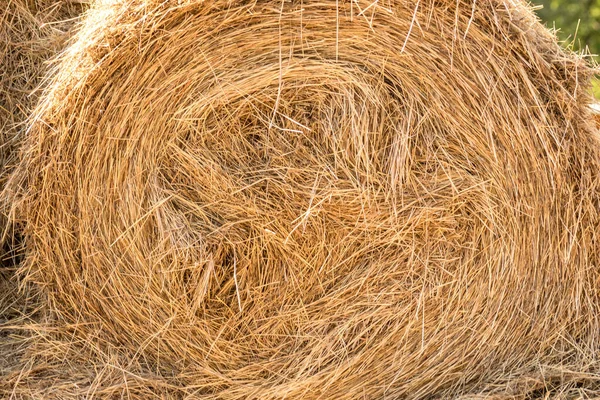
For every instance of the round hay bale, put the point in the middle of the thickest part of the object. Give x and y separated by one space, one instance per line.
332 199
31 32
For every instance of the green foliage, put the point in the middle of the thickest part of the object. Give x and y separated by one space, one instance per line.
578 25
596 87
578 21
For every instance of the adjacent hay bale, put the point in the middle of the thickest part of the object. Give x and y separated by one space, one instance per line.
31 32
319 199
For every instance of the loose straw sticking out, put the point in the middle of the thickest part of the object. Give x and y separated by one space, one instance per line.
269 200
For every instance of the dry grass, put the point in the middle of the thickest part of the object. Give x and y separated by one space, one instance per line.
31 32
328 199
596 114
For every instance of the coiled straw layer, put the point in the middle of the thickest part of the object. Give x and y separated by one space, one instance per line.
318 199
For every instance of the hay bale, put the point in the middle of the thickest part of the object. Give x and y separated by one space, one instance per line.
317 200
31 32
596 114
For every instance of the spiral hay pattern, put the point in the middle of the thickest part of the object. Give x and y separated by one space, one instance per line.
320 199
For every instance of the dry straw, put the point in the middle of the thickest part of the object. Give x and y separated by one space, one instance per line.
31 32
312 199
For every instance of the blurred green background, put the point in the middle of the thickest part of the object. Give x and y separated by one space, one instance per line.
578 25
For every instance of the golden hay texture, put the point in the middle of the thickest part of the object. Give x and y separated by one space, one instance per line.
596 114
31 32
312 199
